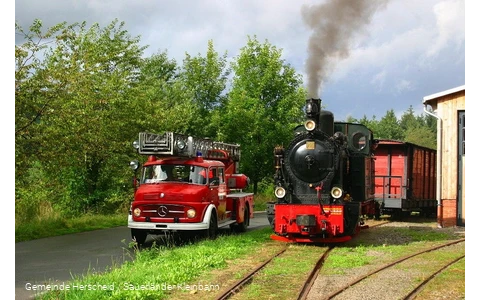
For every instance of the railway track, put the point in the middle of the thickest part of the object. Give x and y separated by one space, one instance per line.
342 292
236 288
422 285
238 285
318 266
415 290
313 275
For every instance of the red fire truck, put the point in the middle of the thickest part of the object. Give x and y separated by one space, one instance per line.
189 185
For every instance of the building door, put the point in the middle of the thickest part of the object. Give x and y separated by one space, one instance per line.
461 169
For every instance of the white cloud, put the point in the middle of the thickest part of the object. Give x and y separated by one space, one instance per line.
378 80
403 85
450 25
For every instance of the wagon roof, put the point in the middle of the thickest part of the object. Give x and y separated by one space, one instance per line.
397 142
385 141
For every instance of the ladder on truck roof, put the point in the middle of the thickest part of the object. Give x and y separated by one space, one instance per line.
174 144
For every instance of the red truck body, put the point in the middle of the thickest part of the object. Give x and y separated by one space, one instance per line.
183 191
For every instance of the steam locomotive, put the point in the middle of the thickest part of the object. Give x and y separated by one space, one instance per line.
324 180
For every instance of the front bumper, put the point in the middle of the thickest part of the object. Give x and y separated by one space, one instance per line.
166 226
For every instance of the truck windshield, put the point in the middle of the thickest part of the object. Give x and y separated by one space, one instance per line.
175 173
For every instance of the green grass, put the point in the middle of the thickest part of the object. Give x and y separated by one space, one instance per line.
60 226
159 268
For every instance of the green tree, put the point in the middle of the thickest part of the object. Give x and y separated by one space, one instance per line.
429 121
34 92
409 120
83 86
416 130
389 127
164 103
264 105
372 124
421 136
207 78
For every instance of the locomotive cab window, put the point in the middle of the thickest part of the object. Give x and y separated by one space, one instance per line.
359 141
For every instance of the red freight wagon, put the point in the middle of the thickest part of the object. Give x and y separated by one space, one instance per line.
405 178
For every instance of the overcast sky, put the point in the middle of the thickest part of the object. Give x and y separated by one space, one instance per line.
377 56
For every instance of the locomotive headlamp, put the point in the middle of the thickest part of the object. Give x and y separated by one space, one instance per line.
310 125
280 192
336 192
191 213
136 212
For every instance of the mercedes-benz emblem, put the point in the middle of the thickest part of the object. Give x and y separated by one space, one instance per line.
162 211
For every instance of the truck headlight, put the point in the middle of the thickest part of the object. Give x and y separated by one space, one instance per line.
191 213
137 212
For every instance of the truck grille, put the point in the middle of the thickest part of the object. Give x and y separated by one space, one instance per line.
163 211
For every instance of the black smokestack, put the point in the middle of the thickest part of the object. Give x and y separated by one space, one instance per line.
334 24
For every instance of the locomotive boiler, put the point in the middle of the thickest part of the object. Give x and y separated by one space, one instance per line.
324 180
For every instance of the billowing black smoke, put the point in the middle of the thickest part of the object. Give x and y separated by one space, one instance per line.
334 24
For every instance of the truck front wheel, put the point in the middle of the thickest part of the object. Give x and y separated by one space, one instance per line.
139 236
